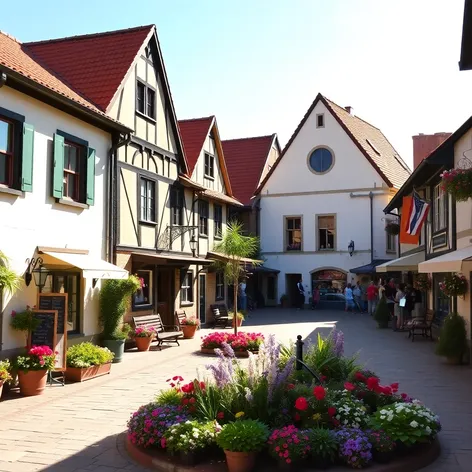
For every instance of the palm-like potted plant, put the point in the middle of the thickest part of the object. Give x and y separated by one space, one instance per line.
9 279
452 339
382 314
189 327
4 373
239 318
33 368
115 297
242 440
143 337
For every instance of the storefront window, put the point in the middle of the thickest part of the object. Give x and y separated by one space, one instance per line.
442 304
143 296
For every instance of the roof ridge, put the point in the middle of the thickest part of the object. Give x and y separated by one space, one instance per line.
197 119
10 36
88 35
250 137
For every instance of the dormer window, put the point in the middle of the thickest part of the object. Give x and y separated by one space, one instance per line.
145 100
320 120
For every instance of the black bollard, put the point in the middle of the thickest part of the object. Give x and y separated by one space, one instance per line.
299 352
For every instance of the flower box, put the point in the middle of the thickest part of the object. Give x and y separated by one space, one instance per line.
80 374
236 353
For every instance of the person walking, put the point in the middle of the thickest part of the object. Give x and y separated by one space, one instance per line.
372 298
316 297
242 296
390 292
400 302
357 292
349 298
301 295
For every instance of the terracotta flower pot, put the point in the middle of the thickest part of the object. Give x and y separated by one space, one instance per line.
240 461
239 322
79 374
32 382
189 331
143 344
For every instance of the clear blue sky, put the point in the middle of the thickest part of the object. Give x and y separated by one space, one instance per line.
258 64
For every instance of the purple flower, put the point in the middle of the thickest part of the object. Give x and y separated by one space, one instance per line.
337 337
354 447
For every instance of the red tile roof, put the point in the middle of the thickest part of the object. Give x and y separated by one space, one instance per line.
193 133
369 140
245 159
95 64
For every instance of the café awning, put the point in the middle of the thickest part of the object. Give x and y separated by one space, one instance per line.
368 268
450 262
402 264
91 267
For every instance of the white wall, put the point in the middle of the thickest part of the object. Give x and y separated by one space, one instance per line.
35 219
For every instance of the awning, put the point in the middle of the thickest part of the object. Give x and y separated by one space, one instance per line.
402 264
92 267
368 268
450 262
265 270
216 256
163 258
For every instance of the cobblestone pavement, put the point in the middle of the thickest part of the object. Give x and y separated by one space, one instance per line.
77 428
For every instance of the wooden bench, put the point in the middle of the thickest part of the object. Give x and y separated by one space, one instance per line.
180 315
221 316
162 335
422 328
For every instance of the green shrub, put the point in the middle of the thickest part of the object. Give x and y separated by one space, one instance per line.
5 369
170 396
453 337
88 354
324 444
382 313
243 436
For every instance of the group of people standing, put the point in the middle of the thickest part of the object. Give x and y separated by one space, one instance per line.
404 302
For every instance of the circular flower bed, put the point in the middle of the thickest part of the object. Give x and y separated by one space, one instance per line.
268 407
240 343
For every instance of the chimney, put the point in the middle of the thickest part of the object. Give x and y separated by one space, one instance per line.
350 110
425 144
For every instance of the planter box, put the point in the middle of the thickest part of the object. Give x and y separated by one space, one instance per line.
77 374
236 353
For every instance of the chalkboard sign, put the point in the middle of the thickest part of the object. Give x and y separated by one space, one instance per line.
58 302
45 333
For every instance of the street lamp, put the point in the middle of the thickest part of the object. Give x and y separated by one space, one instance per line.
32 264
193 244
40 276
351 247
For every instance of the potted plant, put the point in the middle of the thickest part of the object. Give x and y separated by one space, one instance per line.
238 319
393 228
454 285
284 300
4 373
354 447
24 321
143 337
115 296
423 282
323 447
383 446
452 339
189 440
382 314
288 453
9 280
86 361
242 440
189 327
33 368
458 183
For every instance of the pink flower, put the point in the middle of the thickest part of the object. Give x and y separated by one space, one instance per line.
349 386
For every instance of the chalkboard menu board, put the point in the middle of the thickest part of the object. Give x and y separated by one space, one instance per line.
58 302
45 333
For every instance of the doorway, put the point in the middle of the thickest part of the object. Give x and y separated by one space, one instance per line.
165 288
202 298
291 289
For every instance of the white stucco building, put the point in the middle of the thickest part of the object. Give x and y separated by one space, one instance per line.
327 189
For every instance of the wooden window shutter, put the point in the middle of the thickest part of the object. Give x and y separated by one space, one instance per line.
27 158
58 170
90 188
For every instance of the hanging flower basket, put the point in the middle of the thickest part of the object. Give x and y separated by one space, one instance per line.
423 282
392 228
454 285
458 183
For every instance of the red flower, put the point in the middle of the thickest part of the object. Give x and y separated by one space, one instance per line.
404 395
188 388
319 393
360 377
349 386
220 415
323 378
394 387
372 383
185 401
301 404
202 385
297 417
331 411
290 386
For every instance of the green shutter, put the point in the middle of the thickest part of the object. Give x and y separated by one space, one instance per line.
90 176
58 170
27 158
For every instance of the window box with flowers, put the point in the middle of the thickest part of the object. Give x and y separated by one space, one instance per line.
454 285
458 183
393 228
189 327
86 361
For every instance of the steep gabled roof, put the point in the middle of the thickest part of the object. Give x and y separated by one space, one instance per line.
93 64
245 159
369 140
19 62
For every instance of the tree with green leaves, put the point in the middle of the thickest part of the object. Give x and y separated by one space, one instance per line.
236 248
9 279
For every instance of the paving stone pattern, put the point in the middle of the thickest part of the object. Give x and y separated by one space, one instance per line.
79 427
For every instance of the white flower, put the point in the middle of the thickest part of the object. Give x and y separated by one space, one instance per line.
338 417
428 430
382 417
414 424
383 412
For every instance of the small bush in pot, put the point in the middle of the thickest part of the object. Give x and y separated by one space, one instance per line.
452 338
383 446
189 326
323 447
87 354
242 440
382 314
24 321
143 337
238 319
4 373
289 445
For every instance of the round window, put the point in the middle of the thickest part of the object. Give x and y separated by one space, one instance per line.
321 160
